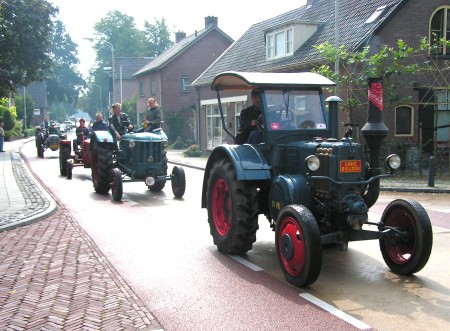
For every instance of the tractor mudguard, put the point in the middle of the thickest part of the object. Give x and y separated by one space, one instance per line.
100 136
286 190
248 163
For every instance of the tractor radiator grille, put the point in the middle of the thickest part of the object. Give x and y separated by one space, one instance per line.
145 150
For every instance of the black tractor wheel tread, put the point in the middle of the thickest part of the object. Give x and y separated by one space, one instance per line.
64 155
104 168
245 199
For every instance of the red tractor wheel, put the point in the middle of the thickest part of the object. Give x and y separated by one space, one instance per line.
407 250
232 210
298 245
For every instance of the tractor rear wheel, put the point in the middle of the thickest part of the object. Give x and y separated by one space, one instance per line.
406 254
69 169
232 210
102 167
64 156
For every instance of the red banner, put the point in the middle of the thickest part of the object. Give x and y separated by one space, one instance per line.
376 94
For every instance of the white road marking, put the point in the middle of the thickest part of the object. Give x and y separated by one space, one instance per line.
336 312
245 262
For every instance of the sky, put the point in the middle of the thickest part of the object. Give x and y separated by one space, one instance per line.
234 17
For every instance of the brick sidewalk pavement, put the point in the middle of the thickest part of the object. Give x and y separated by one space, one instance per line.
54 277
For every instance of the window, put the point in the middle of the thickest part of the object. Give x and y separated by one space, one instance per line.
152 86
440 29
443 99
214 134
279 43
184 83
404 121
141 88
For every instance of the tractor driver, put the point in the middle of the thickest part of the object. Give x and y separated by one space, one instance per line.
82 133
248 121
119 122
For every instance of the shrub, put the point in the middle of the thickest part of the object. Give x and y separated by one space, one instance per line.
178 144
193 151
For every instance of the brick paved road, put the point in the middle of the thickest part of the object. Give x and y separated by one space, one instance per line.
53 277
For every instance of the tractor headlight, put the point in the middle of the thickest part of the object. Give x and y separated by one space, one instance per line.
132 144
393 161
312 162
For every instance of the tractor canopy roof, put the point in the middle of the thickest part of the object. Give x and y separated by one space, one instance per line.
234 80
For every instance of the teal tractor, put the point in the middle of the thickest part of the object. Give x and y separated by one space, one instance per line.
135 157
314 188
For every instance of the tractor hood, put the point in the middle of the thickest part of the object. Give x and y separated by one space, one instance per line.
146 136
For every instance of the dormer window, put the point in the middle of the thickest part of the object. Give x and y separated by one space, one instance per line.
285 39
279 43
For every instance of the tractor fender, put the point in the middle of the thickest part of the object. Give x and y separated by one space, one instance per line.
102 137
247 160
286 190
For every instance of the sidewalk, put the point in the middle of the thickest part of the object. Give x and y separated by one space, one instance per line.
54 277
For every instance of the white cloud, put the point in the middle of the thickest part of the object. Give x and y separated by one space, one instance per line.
234 16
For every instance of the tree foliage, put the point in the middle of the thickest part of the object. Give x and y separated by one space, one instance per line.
157 37
64 81
355 68
19 103
8 120
26 33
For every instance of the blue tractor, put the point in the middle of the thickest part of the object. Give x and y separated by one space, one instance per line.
314 188
135 157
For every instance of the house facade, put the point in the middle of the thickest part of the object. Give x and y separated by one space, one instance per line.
285 43
168 77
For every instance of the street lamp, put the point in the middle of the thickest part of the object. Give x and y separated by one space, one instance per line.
112 64
101 107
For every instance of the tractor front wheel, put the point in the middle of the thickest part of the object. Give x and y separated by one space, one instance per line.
232 210
64 156
407 250
298 245
178 181
117 185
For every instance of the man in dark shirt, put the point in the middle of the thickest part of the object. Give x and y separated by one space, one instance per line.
119 122
153 115
99 124
248 118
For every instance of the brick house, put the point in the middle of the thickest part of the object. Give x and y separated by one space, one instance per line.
363 22
167 77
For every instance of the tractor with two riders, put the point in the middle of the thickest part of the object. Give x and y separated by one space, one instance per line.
135 157
313 187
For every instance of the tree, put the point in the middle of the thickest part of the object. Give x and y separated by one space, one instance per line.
18 101
26 34
389 63
8 120
157 37
64 81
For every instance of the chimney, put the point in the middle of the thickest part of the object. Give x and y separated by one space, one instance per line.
211 21
179 36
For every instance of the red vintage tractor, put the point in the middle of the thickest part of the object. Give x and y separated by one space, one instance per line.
80 157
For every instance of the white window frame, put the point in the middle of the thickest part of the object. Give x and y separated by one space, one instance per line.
411 125
280 43
141 88
185 85
152 85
